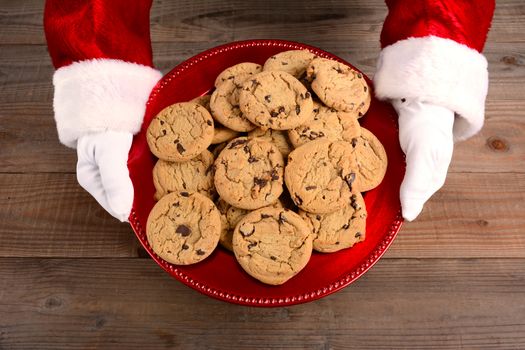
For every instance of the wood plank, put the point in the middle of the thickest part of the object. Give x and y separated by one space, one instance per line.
51 215
474 215
132 304
202 20
26 95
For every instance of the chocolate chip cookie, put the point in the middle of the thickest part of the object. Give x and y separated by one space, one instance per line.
230 217
249 173
180 132
326 123
183 228
195 175
371 160
204 101
224 105
320 175
340 229
275 100
223 134
293 62
339 86
272 245
238 73
276 137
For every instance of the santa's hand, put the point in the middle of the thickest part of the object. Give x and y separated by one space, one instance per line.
425 135
102 170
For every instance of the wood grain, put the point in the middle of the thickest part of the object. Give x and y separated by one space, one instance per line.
72 277
474 215
51 215
128 303
28 137
202 20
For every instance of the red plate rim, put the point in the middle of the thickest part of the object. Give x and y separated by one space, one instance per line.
333 287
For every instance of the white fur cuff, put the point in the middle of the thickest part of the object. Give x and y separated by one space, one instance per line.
101 94
439 71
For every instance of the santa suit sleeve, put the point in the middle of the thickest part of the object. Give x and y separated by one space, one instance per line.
101 50
431 51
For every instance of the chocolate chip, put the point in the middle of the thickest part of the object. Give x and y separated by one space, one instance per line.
316 110
161 122
180 148
273 114
284 63
313 135
176 204
354 142
360 114
321 134
350 179
338 70
268 98
237 143
255 83
185 194
185 246
298 200
274 175
318 217
353 202
200 252
246 233
307 95
282 219
345 226
309 188
359 75
365 88
246 149
176 141
260 182
252 159
358 234
403 100
297 109
251 245
163 131
209 122
183 230
273 258
265 216
337 243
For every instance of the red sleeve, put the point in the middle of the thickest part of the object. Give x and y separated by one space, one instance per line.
464 21
88 29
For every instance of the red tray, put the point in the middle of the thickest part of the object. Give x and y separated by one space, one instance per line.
219 276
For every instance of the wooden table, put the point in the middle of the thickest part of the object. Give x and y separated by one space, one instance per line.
71 277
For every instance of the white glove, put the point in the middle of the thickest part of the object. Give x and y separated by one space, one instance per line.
425 135
102 170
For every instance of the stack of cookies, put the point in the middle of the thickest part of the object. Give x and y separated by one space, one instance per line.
271 166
